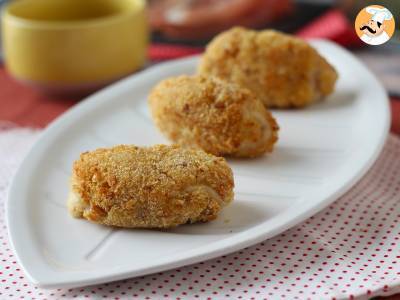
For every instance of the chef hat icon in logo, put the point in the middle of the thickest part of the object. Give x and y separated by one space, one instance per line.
375 25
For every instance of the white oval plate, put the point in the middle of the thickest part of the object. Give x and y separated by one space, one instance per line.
322 151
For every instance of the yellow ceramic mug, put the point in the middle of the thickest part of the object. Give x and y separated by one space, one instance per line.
64 46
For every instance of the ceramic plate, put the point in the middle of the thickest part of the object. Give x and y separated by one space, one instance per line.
322 151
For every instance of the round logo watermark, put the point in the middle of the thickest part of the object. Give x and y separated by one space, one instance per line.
374 25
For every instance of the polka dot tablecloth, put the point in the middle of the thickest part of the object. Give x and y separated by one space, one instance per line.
349 250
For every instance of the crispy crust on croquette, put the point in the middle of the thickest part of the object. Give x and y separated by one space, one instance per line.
149 187
282 70
219 117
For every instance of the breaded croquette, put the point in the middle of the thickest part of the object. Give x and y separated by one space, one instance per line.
149 187
282 70
219 117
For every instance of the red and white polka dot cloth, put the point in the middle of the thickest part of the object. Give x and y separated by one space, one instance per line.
349 250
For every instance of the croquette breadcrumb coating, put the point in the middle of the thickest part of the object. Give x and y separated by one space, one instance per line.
282 70
219 117
155 187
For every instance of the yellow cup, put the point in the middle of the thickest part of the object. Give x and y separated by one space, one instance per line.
73 46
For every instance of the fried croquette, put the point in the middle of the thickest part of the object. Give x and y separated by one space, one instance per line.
149 187
282 70
219 117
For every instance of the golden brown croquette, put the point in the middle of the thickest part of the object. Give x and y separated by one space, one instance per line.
219 117
149 187
282 70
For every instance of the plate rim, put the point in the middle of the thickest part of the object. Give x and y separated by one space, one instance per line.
224 247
